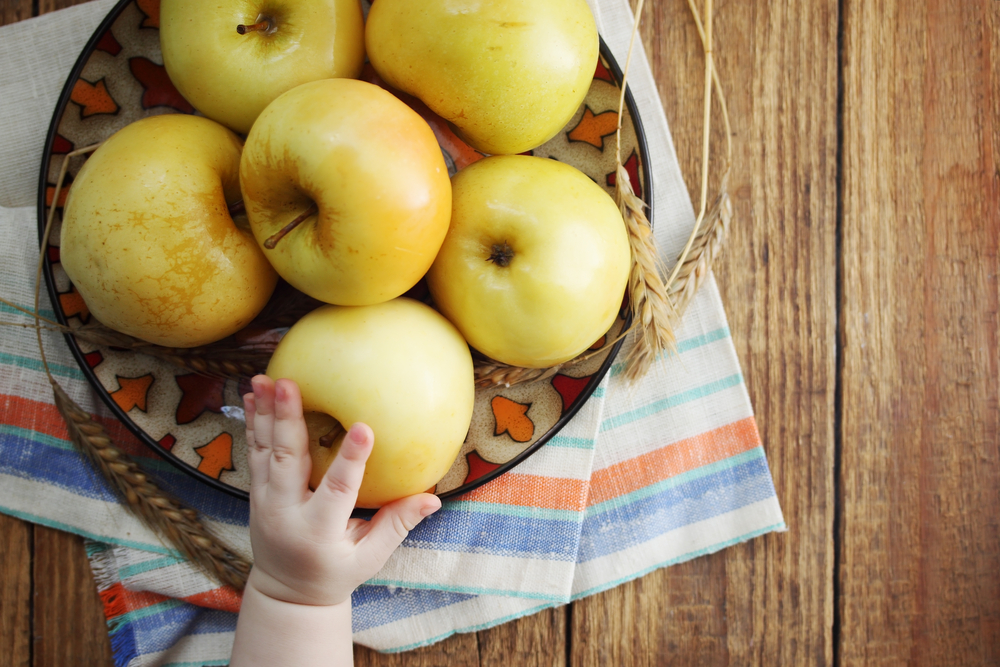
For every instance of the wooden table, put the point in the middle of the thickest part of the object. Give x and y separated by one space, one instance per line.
860 279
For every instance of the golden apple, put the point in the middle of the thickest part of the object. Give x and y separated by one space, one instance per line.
535 265
399 367
346 190
148 240
509 74
230 76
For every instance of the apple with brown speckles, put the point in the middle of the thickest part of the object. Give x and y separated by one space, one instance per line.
148 240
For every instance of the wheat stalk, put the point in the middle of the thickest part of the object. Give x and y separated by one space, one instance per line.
491 373
221 360
657 305
157 509
652 311
705 249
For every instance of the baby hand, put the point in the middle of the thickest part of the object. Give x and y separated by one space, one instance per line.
307 549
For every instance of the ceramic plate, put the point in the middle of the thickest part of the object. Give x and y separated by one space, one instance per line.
184 416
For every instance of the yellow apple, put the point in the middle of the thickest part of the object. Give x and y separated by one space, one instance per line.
148 240
509 74
346 189
399 367
230 76
535 265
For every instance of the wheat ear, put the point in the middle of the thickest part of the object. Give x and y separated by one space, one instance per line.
157 509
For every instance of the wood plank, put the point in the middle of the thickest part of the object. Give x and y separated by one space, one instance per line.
769 601
15 592
12 11
456 651
46 6
635 623
920 568
534 641
15 535
69 624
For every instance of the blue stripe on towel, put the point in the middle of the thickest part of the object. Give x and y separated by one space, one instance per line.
496 534
25 456
373 606
647 518
161 626
28 459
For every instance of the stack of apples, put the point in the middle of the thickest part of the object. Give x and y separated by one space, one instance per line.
176 230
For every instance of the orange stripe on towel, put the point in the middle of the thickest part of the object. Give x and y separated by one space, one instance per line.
225 599
531 491
45 418
119 600
666 462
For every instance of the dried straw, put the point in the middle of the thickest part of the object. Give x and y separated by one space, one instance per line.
705 243
657 305
218 360
156 508
223 359
490 373
652 311
159 511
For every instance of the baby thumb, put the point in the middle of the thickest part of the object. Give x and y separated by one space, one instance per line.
392 523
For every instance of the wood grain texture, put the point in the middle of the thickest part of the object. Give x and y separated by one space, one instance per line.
12 11
15 592
920 571
46 6
533 641
69 624
641 623
769 601
458 650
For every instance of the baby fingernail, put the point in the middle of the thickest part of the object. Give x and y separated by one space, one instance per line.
427 511
357 434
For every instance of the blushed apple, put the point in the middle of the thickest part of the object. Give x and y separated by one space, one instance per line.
399 367
509 74
231 58
148 240
535 265
346 190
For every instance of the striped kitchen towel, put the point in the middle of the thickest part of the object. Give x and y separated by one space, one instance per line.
641 478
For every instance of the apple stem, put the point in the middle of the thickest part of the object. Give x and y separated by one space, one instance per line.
330 438
263 26
502 254
280 234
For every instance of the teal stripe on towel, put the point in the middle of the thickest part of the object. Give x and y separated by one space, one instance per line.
686 345
672 402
